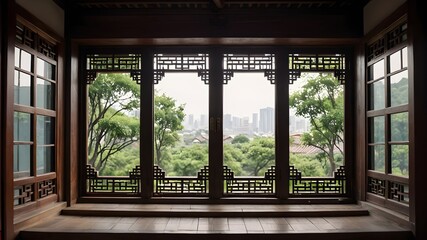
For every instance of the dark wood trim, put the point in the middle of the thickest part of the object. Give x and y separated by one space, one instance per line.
8 27
81 112
417 54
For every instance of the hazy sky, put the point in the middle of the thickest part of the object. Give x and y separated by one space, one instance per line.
244 94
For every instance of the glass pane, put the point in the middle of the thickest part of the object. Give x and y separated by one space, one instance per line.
17 56
181 124
400 160
22 127
26 61
399 127
45 69
376 95
376 158
378 70
21 161
45 130
113 137
395 62
376 130
316 124
399 89
45 159
22 88
249 141
45 94
405 57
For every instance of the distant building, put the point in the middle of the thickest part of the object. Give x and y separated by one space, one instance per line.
255 122
266 120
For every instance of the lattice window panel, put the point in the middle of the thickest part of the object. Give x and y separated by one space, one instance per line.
23 194
46 188
398 192
112 184
397 36
25 36
299 63
250 63
181 63
376 186
249 185
376 49
317 185
126 63
181 185
387 41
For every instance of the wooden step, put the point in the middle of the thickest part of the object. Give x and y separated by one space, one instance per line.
202 210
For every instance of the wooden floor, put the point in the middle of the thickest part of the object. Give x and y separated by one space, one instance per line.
66 227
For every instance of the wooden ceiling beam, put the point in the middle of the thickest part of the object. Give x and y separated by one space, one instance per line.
219 3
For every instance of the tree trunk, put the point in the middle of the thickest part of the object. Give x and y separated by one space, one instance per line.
331 159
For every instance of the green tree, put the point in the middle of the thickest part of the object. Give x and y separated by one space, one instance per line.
187 161
168 121
259 154
241 138
321 100
234 158
110 129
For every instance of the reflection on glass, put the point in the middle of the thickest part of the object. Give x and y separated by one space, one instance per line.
378 70
399 89
45 94
21 161
399 127
395 62
22 126
376 95
376 158
400 160
26 61
405 57
45 69
45 159
45 130
17 56
376 129
22 88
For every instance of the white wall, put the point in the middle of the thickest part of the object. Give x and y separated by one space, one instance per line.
46 11
377 10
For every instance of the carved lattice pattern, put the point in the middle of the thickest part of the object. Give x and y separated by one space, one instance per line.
299 63
46 188
251 184
46 48
397 36
181 62
181 184
398 192
376 186
113 63
23 194
317 185
113 184
25 36
250 63
389 40
376 49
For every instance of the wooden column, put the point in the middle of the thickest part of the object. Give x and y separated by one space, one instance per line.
417 56
282 124
215 124
8 28
147 125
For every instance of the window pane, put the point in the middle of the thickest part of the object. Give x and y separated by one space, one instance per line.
45 94
399 126
45 130
376 130
26 61
376 71
405 57
22 88
45 69
21 161
45 159
376 158
17 56
22 126
376 95
399 89
395 62
400 160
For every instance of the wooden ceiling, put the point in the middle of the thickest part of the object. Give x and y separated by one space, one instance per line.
219 4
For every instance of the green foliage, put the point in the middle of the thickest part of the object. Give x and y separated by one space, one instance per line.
308 165
110 129
321 100
168 121
241 138
260 155
187 161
